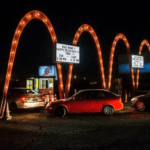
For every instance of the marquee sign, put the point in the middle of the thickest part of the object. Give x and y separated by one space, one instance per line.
66 53
137 61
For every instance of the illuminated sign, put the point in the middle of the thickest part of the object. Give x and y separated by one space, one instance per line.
66 53
137 61
48 71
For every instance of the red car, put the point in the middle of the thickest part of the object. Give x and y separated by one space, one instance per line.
86 101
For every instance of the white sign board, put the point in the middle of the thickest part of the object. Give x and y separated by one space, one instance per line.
67 53
137 61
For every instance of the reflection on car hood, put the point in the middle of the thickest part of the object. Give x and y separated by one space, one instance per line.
140 96
137 97
60 100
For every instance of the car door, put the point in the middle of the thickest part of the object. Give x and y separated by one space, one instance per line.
99 99
81 103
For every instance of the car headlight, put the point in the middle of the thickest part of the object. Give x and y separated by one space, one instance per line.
134 99
47 105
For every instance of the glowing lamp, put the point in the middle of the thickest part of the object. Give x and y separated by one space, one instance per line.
74 42
37 14
91 31
45 20
29 16
18 31
50 29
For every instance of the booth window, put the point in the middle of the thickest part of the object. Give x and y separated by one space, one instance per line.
29 84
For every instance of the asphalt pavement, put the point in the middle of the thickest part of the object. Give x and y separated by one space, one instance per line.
35 130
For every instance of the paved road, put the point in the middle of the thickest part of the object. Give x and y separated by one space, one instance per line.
124 130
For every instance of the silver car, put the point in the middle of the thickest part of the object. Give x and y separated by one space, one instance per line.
23 98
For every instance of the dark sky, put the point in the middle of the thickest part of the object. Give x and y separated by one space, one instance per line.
35 46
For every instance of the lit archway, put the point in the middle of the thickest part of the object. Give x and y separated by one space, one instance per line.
82 28
144 42
23 22
118 37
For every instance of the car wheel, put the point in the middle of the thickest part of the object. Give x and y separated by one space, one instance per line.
60 112
13 107
108 110
140 106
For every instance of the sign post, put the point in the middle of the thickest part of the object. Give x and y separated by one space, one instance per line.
137 61
63 53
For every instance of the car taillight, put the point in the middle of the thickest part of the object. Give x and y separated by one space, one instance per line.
23 98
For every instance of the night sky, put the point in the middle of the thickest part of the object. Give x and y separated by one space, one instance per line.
35 46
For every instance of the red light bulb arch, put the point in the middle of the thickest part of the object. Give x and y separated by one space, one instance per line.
28 17
144 42
81 29
118 37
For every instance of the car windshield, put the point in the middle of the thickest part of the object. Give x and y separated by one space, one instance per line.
74 95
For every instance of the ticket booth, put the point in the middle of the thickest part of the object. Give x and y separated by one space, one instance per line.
40 85
44 83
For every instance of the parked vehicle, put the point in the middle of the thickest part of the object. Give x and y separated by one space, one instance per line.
141 102
23 98
86 101
141 92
